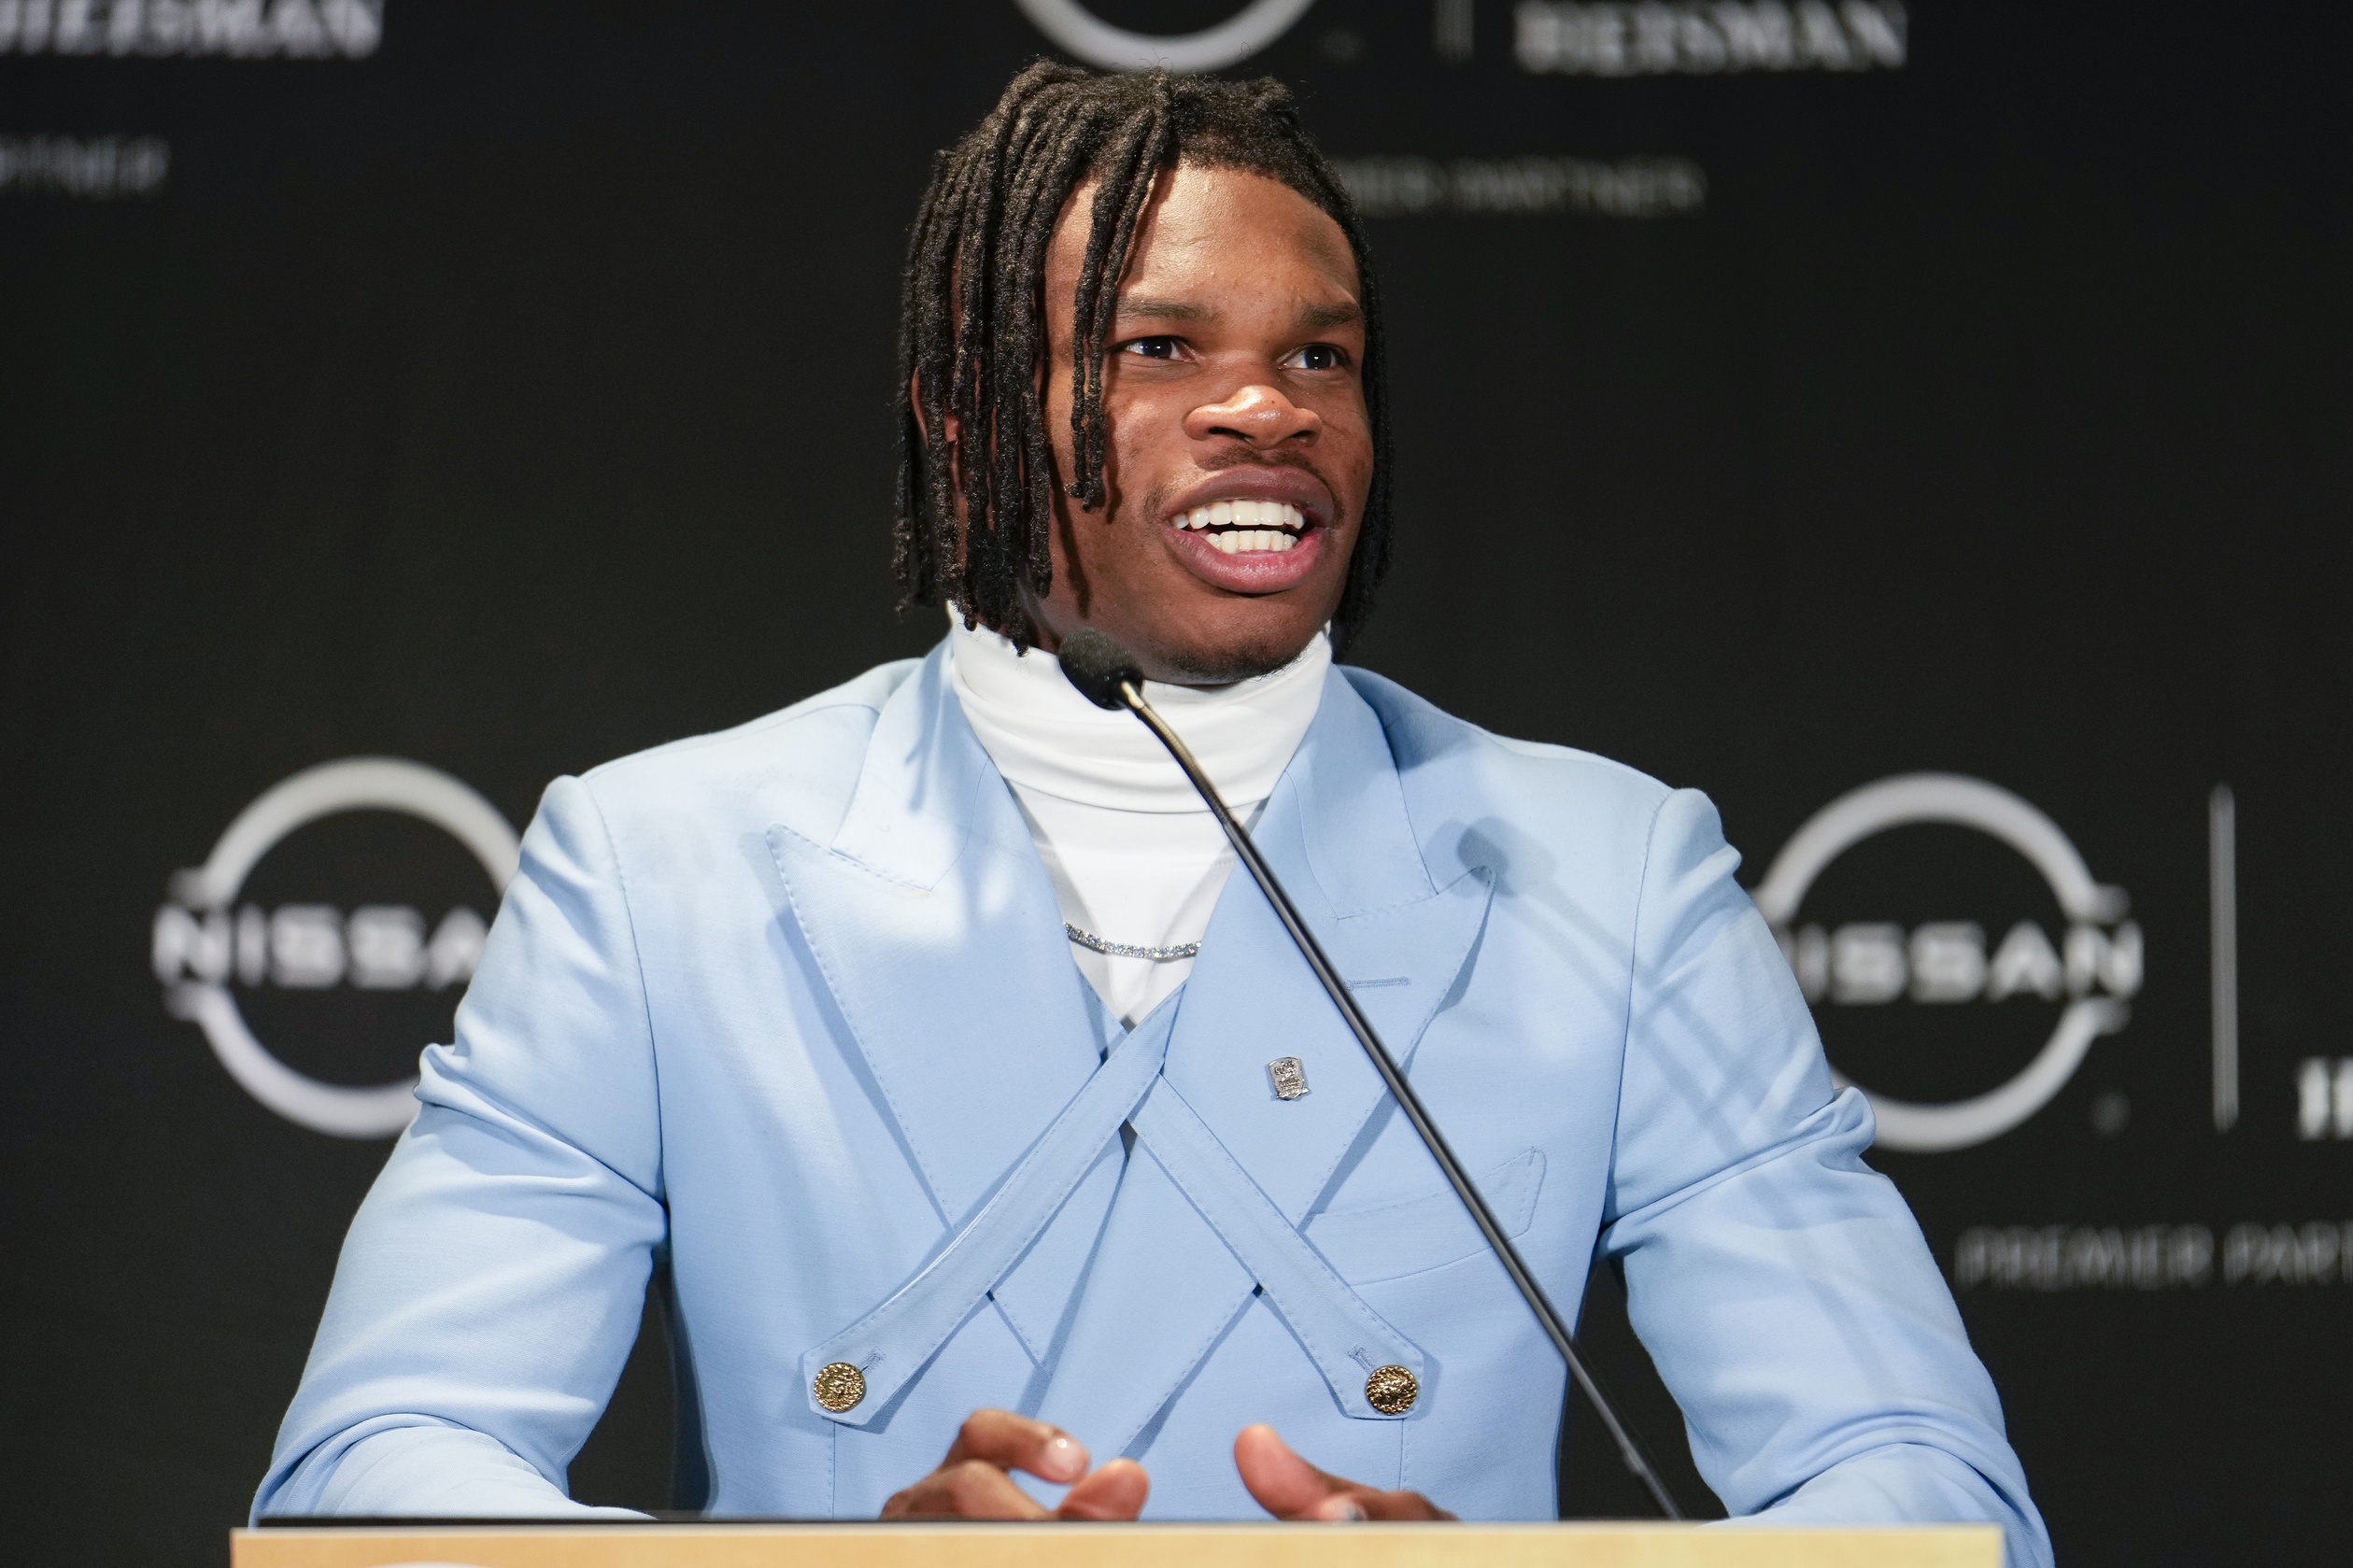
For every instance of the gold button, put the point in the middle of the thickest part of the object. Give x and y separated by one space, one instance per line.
841 1386
1390 1390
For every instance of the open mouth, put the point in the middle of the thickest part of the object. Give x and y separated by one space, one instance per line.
1246 527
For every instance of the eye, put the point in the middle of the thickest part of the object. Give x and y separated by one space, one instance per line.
1152 348
1318 356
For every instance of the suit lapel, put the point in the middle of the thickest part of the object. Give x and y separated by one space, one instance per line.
933 923
1337 836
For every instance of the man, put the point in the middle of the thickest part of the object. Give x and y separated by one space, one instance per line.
919 1027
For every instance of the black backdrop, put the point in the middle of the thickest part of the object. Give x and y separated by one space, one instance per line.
506 387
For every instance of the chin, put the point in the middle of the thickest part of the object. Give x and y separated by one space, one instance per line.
1244 656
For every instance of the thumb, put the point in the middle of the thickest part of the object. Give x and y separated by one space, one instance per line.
1286 1485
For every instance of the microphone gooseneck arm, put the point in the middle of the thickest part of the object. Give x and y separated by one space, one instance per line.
1128 690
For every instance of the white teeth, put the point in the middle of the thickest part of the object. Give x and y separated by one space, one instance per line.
1241 541
1247 525
1252 515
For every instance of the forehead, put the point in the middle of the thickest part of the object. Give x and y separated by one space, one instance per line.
1226 230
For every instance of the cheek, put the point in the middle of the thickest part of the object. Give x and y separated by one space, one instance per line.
1148 443
1354 457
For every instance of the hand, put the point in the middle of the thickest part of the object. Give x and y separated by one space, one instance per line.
1289 1488
972 1482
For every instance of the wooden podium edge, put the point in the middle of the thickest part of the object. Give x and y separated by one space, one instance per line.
1574 1545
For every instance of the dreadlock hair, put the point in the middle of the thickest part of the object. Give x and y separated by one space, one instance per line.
973 323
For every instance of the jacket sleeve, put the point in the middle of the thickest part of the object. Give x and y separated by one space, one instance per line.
492 1283
1780 1284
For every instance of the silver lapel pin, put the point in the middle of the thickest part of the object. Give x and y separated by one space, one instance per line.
1290 1077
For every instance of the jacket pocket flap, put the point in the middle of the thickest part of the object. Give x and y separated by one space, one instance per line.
1365 1244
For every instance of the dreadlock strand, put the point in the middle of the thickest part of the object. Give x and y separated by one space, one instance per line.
998 539
1112 171
1119 177
1012 377
1054 174
921 489
1141 175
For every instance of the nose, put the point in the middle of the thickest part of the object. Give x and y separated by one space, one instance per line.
1258 415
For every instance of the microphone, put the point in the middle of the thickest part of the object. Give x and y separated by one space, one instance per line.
1107 675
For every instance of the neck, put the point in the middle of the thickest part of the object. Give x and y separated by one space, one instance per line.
1044 737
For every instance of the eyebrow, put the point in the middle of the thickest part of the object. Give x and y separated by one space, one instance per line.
1331 314
1164 310
1313 318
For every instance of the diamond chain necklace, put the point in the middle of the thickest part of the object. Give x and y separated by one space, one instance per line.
1094 943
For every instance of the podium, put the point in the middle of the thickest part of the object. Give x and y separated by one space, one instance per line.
721 1545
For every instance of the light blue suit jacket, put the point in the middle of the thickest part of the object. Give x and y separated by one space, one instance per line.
794 1004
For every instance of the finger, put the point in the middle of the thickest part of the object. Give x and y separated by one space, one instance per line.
1386 1505
1116 1491
1286 1485
1014 1442
972 1488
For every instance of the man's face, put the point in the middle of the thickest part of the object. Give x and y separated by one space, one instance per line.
1239 452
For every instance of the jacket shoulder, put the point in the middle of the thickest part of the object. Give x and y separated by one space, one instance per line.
1434 749
1532 815
797 764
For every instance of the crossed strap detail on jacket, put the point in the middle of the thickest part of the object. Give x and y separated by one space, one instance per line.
1343 1335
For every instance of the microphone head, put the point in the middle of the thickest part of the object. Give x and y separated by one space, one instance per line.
1097 665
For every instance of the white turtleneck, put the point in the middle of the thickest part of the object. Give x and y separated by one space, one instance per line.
1135 857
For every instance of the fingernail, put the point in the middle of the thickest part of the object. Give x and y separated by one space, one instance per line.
1064 1458
1348 1511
